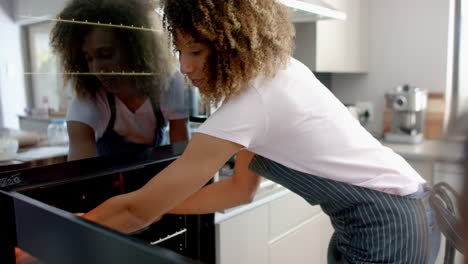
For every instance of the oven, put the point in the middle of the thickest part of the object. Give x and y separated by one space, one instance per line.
46 198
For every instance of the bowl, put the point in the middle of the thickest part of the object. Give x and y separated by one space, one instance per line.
8 148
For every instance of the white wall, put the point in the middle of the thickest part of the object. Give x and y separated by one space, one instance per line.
408 44
12 86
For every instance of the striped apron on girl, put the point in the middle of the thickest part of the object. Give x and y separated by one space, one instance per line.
370 226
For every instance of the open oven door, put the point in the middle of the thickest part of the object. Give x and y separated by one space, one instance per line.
37 206
55 236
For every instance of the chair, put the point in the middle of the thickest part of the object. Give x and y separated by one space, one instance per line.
442 200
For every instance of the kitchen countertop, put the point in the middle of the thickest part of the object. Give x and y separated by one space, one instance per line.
34 150
267 191
34 156
435 150
42 152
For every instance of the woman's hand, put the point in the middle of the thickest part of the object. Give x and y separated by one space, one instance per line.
158 219
129 212
24 258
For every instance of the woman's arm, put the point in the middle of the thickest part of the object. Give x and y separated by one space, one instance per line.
229 192
178 131
82 143
204 156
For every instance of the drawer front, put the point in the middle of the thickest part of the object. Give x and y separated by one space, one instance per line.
450 173
306 244
424 168
446 167
288 212
243 238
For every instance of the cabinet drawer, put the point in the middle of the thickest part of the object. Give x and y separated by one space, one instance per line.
288 212
445 167
450 173
307 244
424 168
243 238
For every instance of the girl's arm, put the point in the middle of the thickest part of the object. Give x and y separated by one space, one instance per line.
178 131
229 192
204 156
82 143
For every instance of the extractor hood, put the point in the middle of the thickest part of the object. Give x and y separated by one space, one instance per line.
312 10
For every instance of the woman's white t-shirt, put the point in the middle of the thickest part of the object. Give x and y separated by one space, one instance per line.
296 121
139 126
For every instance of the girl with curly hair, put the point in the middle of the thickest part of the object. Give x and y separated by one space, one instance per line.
284 125
126 84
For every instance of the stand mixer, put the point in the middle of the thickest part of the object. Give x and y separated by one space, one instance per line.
408 105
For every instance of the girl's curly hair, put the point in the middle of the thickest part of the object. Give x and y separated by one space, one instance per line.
249 38
147 51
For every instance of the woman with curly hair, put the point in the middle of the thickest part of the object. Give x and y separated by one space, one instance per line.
126 84
284 125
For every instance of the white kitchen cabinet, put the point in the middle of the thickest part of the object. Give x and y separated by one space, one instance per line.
283 230
335 45
299 232
306 243
441 171
242 238
288 212
451 173
424 168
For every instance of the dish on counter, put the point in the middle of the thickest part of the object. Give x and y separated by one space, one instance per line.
8 148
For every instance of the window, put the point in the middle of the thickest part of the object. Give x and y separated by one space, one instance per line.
46 86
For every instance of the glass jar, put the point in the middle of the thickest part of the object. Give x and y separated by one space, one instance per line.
57 132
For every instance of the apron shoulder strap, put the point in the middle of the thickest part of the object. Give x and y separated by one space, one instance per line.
111 101
160 121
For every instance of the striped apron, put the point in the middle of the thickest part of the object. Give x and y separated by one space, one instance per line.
370 226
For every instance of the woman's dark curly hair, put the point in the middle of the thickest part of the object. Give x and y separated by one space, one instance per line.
147 51
249 38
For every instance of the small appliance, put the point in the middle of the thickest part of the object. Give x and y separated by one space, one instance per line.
408 105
